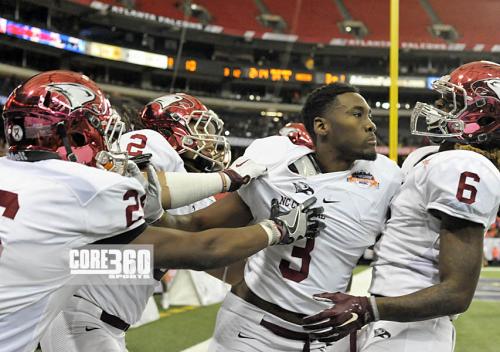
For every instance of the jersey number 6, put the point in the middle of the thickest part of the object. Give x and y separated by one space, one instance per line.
463 186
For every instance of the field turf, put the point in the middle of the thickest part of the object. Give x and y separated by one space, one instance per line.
477 329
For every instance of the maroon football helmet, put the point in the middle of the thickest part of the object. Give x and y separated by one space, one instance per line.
297 133
61 115
189 126
472 97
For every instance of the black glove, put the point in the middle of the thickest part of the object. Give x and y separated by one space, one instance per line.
142 161
301 221
348 314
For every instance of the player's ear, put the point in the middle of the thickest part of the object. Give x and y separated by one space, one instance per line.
321 126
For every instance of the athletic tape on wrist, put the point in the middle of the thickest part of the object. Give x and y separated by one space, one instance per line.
226 181
373 304
187 188
272 231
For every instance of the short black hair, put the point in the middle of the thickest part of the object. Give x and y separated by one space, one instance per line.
319 100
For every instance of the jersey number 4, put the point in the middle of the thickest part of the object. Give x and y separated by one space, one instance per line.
463 186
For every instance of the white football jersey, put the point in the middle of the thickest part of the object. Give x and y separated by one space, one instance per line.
47 208
355 202
164 157
128 301
416 156
459 183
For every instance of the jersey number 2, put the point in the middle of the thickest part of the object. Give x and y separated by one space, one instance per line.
463 186
137 145
129 211
303 253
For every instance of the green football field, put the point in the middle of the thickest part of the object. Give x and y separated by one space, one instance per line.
182 327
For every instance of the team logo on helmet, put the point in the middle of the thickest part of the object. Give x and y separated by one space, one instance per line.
167 100
76 94
487 87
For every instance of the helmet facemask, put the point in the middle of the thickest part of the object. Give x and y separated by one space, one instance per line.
441 124
472 111
113 158
206 142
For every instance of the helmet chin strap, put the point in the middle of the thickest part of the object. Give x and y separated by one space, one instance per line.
61 131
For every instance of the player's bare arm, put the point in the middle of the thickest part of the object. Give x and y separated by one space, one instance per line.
218 247
229 211
461 244
203 250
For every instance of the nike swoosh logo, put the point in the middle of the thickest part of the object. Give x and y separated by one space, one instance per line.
330 201
240 335
90 329
238 165
295 223
354 317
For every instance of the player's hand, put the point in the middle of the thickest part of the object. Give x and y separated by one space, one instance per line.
153 209
242 171
348 314
301 221
134 172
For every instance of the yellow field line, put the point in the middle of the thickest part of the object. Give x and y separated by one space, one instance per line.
178 310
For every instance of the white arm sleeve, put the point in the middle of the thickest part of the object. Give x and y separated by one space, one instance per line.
187 188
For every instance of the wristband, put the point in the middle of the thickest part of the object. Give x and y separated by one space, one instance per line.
226 181
272 231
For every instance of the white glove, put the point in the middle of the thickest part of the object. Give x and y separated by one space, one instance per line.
153 209
242 171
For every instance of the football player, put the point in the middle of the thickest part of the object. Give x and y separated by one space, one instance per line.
57 124
264 311
429 257
180 133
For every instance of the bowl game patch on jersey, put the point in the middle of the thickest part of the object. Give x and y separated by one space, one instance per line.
363 178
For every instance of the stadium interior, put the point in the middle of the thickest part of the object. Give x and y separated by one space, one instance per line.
253 62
